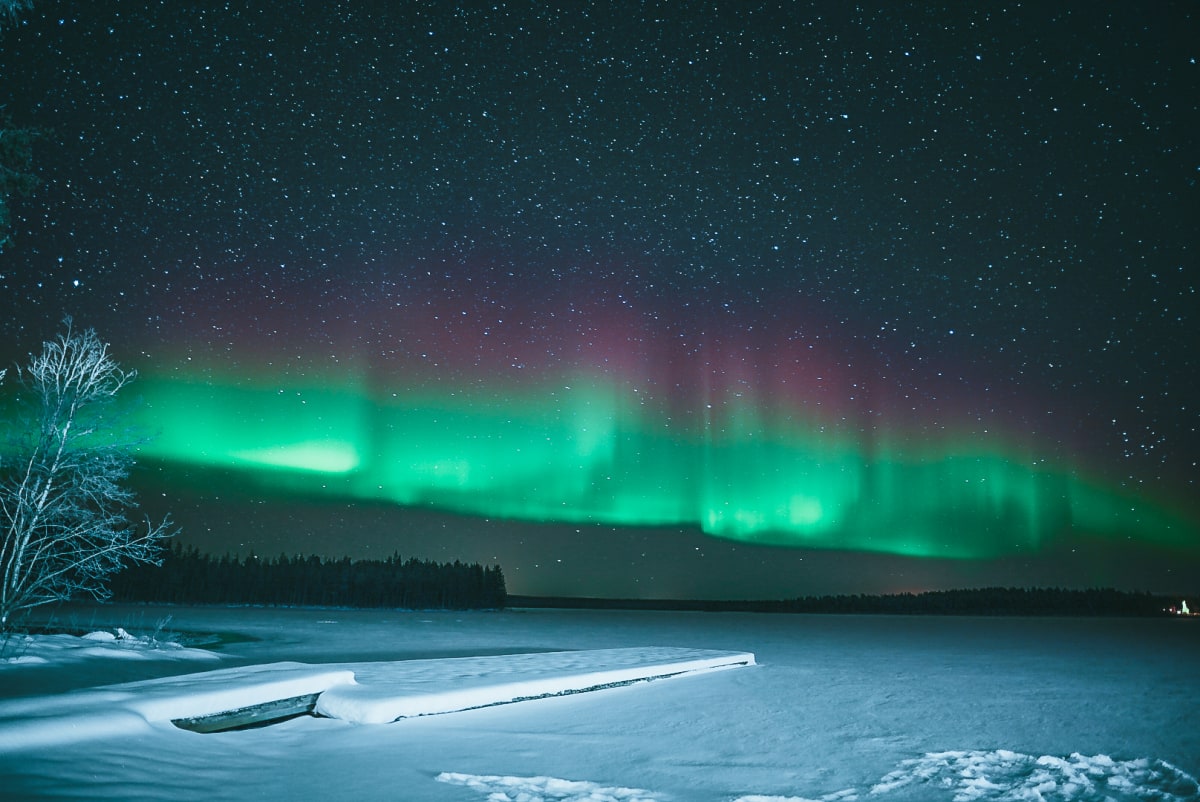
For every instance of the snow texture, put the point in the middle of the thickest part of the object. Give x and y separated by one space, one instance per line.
837 709
545 789
992 776
1002 776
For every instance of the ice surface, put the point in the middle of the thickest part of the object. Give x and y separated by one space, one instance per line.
838 708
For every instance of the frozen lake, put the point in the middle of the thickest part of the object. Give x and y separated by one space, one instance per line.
838 708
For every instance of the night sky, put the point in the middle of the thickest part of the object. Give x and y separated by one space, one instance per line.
660 300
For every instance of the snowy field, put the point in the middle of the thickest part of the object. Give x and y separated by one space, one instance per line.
835 708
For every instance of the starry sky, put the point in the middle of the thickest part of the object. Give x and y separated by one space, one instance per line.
637 299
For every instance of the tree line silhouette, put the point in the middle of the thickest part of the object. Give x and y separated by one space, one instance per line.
991 601
981 601
188 577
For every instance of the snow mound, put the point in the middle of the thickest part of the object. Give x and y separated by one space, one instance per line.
544 789
1005 776
119 645
962 776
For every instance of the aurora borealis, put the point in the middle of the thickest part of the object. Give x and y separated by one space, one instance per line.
580 453
905 293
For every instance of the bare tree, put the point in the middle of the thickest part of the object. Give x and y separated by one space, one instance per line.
62 504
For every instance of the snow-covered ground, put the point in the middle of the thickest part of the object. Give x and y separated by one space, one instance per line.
837 708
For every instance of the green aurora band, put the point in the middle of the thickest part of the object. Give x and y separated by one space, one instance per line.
589 451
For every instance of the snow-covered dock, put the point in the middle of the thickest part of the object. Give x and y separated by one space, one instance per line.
355 692
390 691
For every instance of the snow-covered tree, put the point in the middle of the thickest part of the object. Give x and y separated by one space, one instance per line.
63 507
